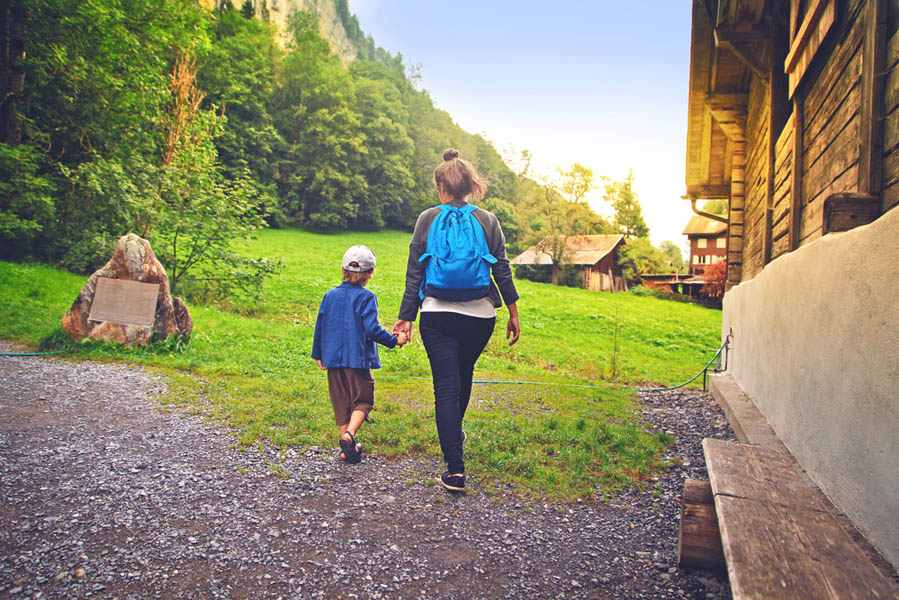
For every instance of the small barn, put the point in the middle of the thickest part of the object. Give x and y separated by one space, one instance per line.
596 256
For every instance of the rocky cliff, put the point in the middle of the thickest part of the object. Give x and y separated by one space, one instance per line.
330 26
329 23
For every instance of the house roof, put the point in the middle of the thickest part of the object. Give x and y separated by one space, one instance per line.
718 93
579 250
698 225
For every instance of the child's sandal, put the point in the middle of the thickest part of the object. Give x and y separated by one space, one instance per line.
352 452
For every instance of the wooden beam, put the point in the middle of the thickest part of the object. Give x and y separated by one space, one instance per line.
747 57
709 192
726 100
779 539
732 35
870 161
810 19
846 211
796 175
698 538
818 22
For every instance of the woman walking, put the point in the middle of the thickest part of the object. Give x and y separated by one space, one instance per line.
455 249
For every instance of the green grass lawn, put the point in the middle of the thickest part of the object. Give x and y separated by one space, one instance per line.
555 420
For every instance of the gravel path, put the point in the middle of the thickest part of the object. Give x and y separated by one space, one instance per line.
105 493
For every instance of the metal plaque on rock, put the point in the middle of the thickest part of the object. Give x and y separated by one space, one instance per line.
124 301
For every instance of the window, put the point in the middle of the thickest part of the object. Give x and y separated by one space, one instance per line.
721 243
701 243
695 259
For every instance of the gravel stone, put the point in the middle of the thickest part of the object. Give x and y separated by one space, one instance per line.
107 493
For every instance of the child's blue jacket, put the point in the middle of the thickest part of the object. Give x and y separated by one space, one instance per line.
347 332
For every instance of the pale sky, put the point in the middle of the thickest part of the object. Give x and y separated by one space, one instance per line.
598 82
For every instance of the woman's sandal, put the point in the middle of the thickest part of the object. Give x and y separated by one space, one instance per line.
352 452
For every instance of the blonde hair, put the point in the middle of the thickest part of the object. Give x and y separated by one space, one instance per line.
356 277
457 176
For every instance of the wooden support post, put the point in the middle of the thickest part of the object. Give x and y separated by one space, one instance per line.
870 161
698 538
735 216
796 177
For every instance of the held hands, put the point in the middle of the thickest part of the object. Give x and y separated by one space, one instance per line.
403 332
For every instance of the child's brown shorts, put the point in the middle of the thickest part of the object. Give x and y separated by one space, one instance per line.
350 389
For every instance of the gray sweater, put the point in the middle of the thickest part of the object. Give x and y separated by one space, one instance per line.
502 284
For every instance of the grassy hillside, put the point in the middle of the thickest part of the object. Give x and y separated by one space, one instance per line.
563 428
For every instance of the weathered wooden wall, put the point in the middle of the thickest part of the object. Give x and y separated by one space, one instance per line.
890 194
783 171
755 180
831 136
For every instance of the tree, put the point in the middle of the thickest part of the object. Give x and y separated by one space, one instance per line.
673 252
320 171
558 211
640 256
716 207
628 214
715 278
238 76
199 214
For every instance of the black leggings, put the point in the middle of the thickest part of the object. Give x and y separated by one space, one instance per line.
453 342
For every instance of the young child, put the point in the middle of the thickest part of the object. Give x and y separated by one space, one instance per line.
347 333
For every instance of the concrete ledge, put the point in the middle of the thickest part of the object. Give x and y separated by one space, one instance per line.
749 425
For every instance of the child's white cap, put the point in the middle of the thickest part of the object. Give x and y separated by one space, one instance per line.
359 259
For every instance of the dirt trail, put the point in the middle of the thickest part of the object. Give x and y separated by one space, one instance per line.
104 495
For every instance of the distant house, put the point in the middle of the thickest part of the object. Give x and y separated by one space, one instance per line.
708 243
595 255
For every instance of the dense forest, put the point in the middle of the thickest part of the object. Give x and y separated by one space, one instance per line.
194 127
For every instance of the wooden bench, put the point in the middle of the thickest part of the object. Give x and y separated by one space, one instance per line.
778 538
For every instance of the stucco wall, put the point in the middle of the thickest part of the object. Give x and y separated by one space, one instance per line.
816 346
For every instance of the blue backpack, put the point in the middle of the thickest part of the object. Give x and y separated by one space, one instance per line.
457 260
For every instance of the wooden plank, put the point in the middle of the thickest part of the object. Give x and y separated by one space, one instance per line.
891 87
833 70
870 129
810 230
778 538
848 113
804 33
781 245
832 162
890 197
891 169
845 94
785 138
698 539
807 51
796 175
846 211
709 192
891 132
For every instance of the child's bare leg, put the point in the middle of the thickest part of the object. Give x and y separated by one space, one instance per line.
356 420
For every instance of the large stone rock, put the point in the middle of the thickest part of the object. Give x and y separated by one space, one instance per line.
134 260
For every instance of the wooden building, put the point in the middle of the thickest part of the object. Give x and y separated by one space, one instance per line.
708 242
595 255
793 120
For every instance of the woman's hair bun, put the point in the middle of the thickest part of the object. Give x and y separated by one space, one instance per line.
450 154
